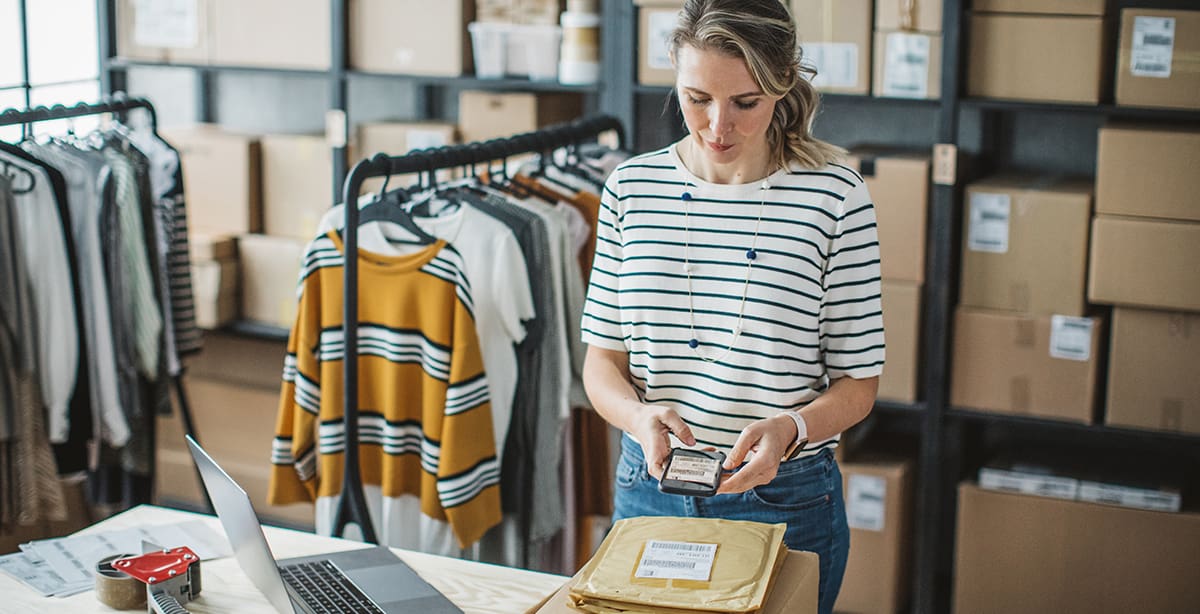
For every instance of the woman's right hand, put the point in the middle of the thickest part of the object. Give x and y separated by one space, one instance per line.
651 427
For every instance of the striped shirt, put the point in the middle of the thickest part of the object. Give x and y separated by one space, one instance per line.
425 420
812 308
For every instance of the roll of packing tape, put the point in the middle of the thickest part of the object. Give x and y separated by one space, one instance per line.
117 589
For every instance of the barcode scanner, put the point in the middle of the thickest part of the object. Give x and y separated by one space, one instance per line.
695 473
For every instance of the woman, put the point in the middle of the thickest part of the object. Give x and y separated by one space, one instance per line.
734 301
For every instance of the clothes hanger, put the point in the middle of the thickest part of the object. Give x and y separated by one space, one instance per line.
388 208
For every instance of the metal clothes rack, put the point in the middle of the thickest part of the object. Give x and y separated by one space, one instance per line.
352 506
118 104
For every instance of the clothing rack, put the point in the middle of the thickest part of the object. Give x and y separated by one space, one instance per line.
118 104
352 505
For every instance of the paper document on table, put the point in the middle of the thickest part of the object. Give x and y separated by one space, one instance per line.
33 572
67 564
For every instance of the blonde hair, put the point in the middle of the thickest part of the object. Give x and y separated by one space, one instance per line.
762 33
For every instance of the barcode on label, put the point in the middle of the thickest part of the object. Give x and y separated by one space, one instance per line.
1148 67
670 564
682 546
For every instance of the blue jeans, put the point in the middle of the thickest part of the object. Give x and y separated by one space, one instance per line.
806 494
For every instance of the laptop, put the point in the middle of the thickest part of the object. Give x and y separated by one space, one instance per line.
367 580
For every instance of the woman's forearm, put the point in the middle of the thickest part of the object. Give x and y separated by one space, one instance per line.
847 402
606 379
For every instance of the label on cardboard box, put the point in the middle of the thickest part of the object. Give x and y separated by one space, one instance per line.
676 560
661 24
1071 338
166 23
990 214
1125 496
865 499
836 63
1153 46
906 66
1056 487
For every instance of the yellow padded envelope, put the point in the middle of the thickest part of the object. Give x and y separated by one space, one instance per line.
748 556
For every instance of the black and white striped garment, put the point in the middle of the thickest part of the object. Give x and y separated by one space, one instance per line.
812 309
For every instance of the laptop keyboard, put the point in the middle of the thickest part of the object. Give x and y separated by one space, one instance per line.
324 588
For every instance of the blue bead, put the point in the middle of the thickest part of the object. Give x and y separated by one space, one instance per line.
751 254
693 344
685 196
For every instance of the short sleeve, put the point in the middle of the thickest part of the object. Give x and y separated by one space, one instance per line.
513 294
851 323
601 324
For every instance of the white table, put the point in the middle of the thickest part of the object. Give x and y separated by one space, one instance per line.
477 588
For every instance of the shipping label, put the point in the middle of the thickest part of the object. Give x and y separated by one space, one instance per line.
1071 338
166 23
1153 46
988 226
906 66
676 560
865 502
836 64
661 24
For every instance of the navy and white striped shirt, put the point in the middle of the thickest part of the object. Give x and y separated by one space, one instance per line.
812 311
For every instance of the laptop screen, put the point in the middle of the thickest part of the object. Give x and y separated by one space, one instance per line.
243 529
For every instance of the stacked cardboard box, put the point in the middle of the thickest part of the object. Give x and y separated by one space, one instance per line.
488 115
297 184
235 381
411 36
215 279
1159 61
227 32
398 138
1145 246
1020 553
899 185
879 508
1016 50
836 39
1023 340
908 49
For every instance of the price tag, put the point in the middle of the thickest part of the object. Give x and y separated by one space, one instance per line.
1071 338
988 229
676 560
166 23
865 499
836 64
906 66
1153 46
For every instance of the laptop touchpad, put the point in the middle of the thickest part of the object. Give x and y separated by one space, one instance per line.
390 583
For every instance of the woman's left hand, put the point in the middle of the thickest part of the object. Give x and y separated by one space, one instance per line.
769 439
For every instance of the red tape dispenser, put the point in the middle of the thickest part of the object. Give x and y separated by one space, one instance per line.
172 577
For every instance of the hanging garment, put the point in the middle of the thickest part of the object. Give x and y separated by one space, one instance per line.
50 285
424 418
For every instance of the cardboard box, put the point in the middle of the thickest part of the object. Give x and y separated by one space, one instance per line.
161 32
297 176
215 288
899 184
1042 366
1158 64
920 15
270 272
836 38
273 33
1025 244
879 508
1154 371
795 590
1145 263
204 246
907 65
398 138
1020 57
656 20
238 359
1017 553
487 115
222 179
1147 171
902 329
414 37
1046 7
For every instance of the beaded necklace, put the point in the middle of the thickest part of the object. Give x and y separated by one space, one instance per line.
751 256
